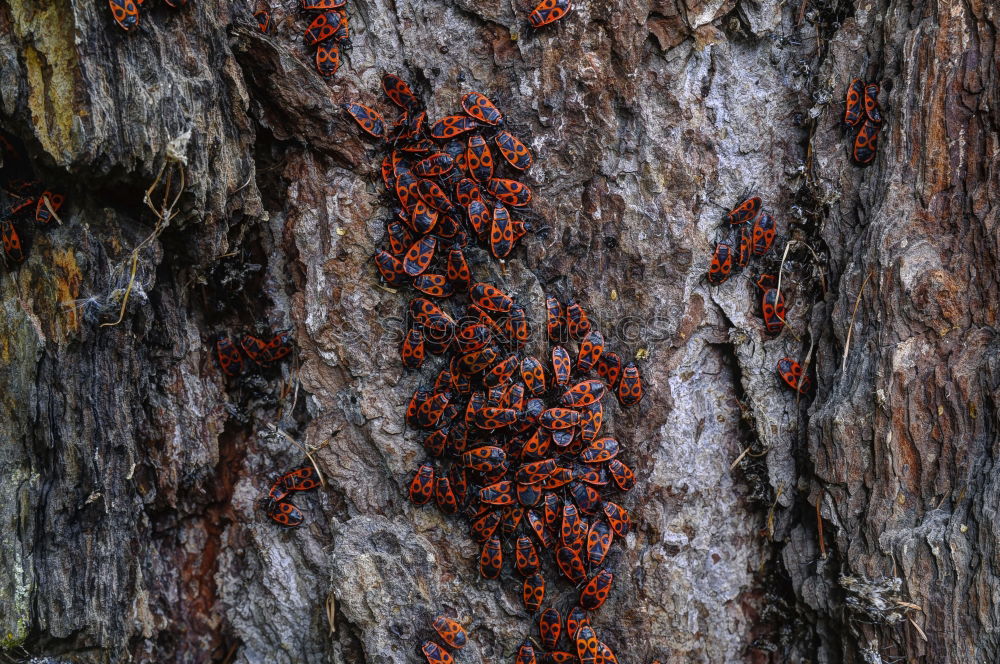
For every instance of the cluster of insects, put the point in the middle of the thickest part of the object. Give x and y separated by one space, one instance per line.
752 234
449 631
235 359
23 203
444 183
755 230
579 634
276 503
328 31
521 439
862 111
126 12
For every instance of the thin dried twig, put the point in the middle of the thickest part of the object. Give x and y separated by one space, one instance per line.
306 450
850 328
163 217
331 612
819 524
917 627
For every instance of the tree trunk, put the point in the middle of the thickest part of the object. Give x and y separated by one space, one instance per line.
850 524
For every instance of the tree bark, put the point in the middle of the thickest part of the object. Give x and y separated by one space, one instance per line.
853 524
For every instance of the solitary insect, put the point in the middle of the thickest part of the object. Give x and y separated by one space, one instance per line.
591 349
745 211
491 298
764 231
513 150
630 386
263 20
399 92
323 27
413 351
510 192
391 268
550 627
435 654
327 58
422 485
852 105
609 367
621 474
594 594
450 632
722 264
369 120
284 513
618 518
452 126
586 645
548 11
126 13
773 308
872 110
481 108
791 372
866 143
502 232
533 592
491 559
230 359
300 479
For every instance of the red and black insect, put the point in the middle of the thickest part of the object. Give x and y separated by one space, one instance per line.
550 627
501 232
263 18
450 632
525 556
229 356
412 351
866 143
526 654
418 257
872 110
423 218
745 211
369 120
548 11
513 150
478 106
491 298
491 559
722 264
452 126
591 349
301 479
48 203
479 160
510 192
399 92
533 592
609 368
422 485
323 27
595 593
436 164
598 542
744 248
772 307
283 512
435 654
600 451
254 348
435 285
126 13
586 645
571 564
391 268
621 474
630 386
618 518
791 372
582 394
853 107
764 231
591 418
276 348
328 58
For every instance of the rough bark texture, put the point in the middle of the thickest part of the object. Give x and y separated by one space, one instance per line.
130 471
